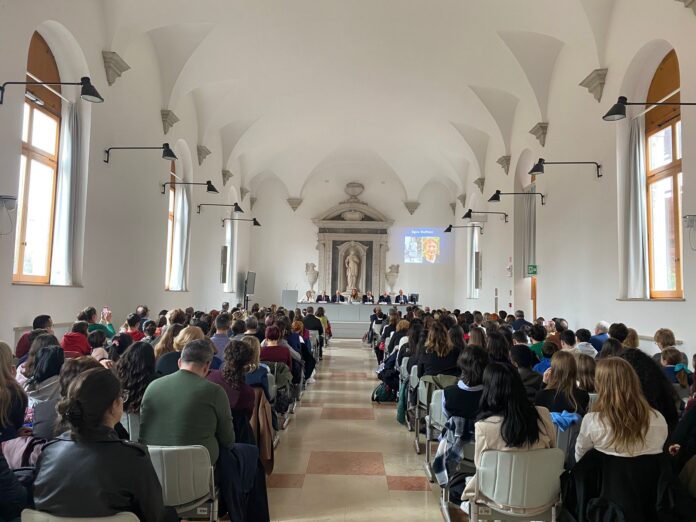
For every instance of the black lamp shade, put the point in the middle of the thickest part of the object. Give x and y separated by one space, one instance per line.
448 229
168 153
88 92
495 198
538 167
617 111
467 214
237 208
210 188
255 222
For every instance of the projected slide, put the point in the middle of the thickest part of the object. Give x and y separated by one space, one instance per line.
423 246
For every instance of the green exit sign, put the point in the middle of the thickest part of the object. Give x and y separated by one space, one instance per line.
531 270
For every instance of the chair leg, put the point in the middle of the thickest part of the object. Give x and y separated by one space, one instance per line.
417 430
428 450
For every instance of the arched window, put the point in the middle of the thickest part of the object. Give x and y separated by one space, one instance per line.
664 182
38 168
170 225
178 218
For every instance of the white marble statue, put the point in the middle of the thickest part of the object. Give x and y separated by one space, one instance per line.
391 276
312 275
352 264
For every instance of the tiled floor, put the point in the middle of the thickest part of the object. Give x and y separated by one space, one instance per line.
345 459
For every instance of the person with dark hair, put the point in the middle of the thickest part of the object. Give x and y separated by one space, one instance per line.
13 495
507 420
568 341
562 392
611 348
584 345
440 356
618 331
520 337
273 351
462 399
503 315
657 389
89 314
150 331
46 423
43 384
26 369
498 348
221 338
133 327
76 339
410 348
237 330
538 335
547 351
143 312
119 344
523 359
96 339
41 322
201 414
239 358
136 370
113 475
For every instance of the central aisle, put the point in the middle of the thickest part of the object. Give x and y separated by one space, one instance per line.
345 458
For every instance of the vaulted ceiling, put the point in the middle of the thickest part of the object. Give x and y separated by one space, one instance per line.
421 90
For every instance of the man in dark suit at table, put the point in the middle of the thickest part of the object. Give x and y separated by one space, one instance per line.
368 298
385 298
401 298
338 298
323 297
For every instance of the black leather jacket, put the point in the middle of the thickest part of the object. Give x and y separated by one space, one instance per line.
98 477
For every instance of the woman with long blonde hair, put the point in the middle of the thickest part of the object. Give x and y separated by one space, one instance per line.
621 423
166 340
169 362
562 392
13 400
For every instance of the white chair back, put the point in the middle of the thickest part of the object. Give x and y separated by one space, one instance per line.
272 388
413 377
403 369
565 440
29 515
185 473
437 416
528 480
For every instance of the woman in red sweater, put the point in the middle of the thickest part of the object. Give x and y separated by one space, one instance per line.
273 352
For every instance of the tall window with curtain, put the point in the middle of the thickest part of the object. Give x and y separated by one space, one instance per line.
38 173
664 183
170 225
177 235
473 262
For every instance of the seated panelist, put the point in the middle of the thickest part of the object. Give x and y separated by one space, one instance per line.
401 298
308 297
323 297
368 298
385 298
338 298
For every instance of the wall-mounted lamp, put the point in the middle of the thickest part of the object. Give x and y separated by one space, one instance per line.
208 184
236 207
167 152
538 167
467 214
254 221
495 198
87 93
618 110
450 227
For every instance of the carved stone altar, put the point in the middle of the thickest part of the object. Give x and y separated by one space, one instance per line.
352 228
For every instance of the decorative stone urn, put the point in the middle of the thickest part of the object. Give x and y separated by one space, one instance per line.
312 275
391 276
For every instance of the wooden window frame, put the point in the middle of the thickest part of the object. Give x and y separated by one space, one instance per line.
669 171
35 154
170 224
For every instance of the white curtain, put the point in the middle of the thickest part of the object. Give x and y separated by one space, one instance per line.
636 284
180 246
529 204
472 242
67 198
231 243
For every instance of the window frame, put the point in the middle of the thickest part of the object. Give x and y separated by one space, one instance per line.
32 153
668 171
171 222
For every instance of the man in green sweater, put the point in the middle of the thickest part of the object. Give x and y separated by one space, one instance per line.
184 408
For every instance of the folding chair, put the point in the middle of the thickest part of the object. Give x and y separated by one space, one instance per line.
565 440
412 387
518 486
186 476
427 385
434 424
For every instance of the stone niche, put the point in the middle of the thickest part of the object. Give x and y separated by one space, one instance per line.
352 233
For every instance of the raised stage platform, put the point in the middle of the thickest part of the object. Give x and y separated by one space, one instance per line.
349 321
